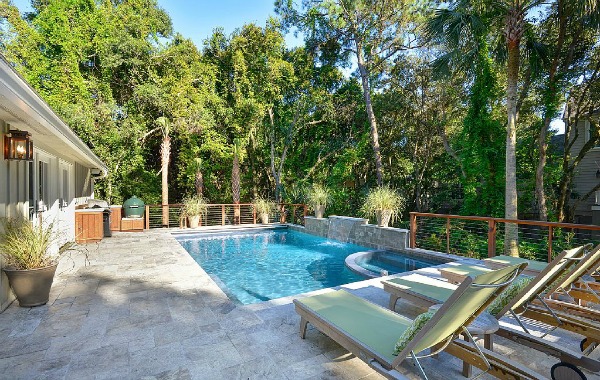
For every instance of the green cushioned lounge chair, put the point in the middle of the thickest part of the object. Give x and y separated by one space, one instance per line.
371 332
533 266
528 303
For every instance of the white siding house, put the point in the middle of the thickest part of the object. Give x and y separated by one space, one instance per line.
587 177
62 171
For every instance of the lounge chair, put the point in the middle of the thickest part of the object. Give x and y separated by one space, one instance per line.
371 332
576 287
528 302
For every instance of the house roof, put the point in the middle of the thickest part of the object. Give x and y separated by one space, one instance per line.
24 109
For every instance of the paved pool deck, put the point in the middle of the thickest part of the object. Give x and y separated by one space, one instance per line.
143 309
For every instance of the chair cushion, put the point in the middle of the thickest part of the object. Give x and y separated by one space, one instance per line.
508 294
412 330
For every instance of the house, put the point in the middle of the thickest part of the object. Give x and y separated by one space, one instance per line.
49 183
587 175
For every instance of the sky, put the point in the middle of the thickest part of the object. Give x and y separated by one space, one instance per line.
196 19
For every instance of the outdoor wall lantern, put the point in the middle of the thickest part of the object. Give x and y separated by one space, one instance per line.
598 173
18 146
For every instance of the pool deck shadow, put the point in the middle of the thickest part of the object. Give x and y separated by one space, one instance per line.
143 309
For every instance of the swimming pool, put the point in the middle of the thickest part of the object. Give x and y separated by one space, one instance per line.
263 265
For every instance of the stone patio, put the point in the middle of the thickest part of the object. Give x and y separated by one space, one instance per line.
143 309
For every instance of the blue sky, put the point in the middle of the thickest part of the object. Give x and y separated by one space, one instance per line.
196 19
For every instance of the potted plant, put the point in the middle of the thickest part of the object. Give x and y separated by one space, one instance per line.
385 203
318 197
31 255
263 208
194 208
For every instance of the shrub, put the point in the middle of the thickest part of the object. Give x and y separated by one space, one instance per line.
383 198
195 206
25 246
318 195
263 206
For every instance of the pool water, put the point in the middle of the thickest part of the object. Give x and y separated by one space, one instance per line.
268 264
388 263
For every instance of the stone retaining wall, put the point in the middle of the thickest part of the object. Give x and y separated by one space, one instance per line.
357 231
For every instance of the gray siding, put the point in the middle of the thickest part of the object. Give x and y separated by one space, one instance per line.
585 176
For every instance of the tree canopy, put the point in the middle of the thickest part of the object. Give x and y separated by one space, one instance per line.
444 105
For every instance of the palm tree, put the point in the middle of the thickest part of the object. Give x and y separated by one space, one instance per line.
235 176
501 19
164 127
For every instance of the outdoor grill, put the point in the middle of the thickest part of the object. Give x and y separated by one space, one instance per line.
134 208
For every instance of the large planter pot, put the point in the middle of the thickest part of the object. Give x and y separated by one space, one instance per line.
31 286
194 221
264 218
383 217
319 211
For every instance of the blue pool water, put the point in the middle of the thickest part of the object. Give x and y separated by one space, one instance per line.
268 264
387 263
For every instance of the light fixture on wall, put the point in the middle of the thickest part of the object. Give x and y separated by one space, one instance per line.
18 146
598 173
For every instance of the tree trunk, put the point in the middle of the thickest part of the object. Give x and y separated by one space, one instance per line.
235 186
540 194
364 76
514 30
165 153
553 94
199 183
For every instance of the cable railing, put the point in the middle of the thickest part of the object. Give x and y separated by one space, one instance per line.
480 237
223 215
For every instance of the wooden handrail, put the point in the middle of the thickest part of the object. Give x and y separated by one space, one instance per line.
492 228
591 227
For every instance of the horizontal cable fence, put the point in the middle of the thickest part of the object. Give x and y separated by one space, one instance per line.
481 237
224 214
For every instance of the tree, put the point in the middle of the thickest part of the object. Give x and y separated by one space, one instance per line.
164 127
504 20
568 31
373 31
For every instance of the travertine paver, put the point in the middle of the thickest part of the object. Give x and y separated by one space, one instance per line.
143 309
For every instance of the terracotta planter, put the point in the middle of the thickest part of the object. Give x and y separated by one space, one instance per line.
264 218
319 211
31 286
194 221
383 217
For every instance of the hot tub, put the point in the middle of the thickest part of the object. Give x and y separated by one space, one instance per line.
373 264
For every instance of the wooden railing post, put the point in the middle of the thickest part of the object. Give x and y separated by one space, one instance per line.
147 217
293 214
223 216
413 230
492 237
550 233
253 215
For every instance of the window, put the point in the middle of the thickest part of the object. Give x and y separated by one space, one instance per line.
590 132
64 202
42 186
31 187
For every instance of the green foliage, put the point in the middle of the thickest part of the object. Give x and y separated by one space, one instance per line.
318 195
111 69
25 246
195 206
481 144
383 198
263 206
